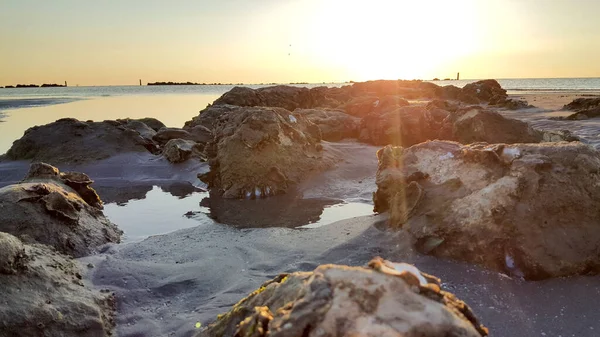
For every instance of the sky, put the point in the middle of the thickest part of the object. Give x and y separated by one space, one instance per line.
115 42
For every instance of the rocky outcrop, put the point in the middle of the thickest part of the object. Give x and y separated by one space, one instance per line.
475 124
43 294
179 150
529 210
282 96
69 141
584 108
153 123
484 91
335 125
259 151
384 299
57 209
404 126
415 124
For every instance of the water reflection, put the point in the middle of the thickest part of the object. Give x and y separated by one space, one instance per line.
157 213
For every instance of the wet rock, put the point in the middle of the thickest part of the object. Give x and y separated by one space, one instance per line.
57 209
144 130
528 210
559 136
27 273
335 125
260 151
69 141
180 150
349 301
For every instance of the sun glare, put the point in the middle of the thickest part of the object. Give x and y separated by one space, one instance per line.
393 39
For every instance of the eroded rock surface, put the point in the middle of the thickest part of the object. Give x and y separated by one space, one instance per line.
335 125
259 151
584 108
43 294
384 299
530 210
59 209
179 150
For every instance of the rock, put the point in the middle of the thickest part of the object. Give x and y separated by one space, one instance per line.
475 124
585 108
153 123
582 104
179 150
443 105
166 134
559 136
69 141
282 96
209 117
43 294
482 91
384 299
451 92
260 151
201 134
527 210
404 126
57 209
144 130
361 106
335 125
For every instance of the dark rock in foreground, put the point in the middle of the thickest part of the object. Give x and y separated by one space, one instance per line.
386 299
260 151
530 210
57 209
43 294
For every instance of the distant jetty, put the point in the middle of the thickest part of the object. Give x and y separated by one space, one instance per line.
189 83
45 85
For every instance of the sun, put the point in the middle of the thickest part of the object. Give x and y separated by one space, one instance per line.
390 39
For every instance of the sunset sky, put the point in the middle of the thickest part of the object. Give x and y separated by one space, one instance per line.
252 41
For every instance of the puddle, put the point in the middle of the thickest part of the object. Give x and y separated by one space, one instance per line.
339 212
158 213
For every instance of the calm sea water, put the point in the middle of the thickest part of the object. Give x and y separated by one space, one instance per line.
535 84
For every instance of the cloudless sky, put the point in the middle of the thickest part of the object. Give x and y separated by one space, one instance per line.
252 41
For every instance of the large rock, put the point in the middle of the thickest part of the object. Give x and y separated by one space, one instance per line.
335 125
282 96
179 150
57 209
483 91
385 299
71 141
260 151
530 210
209 117
404 126
474 124
585 108
43 294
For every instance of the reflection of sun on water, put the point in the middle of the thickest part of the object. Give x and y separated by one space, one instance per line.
394 38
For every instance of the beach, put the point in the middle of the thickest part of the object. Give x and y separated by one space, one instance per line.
184 260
